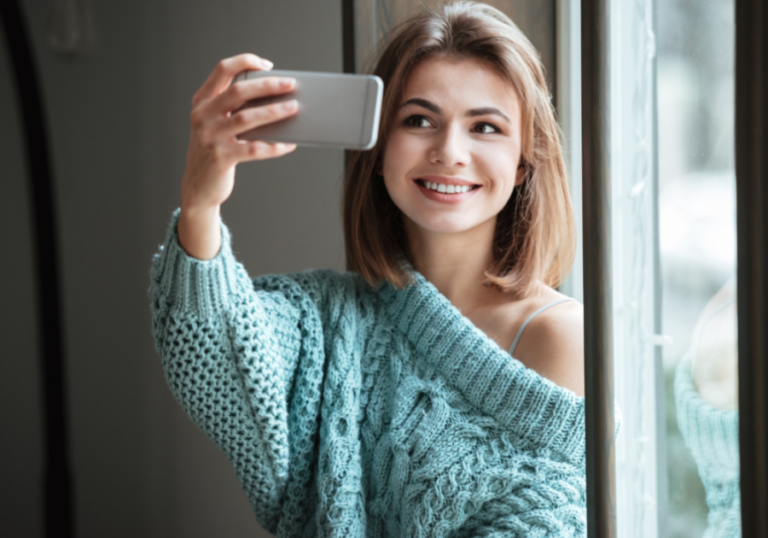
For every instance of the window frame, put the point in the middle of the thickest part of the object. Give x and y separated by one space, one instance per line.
752 266
752 260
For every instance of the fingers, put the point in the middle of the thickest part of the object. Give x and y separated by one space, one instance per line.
250 118
241 92
226 70
215 123
256 150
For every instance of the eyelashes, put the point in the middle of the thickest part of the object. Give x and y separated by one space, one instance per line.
419 121
483 125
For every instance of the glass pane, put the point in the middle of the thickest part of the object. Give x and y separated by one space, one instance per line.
637 336
674 252
697 232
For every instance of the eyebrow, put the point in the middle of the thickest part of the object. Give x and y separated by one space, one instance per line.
470 113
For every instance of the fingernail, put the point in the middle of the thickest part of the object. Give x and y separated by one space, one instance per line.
286 83
266 64
289 105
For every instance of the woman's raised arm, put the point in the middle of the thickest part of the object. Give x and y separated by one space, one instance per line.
214 149
236 352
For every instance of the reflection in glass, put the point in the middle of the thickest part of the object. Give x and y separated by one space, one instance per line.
698 252
706 400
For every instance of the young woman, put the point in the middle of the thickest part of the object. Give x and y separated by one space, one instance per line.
435 388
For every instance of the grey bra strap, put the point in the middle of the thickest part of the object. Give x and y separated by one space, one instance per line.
527 321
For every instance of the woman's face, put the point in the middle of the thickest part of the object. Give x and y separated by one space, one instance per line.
451 160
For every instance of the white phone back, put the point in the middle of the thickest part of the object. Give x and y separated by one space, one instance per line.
334 110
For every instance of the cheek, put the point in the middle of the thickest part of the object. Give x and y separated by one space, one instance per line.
500 163
398 154
393 167
401 155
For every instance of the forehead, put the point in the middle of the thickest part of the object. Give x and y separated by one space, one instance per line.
461 82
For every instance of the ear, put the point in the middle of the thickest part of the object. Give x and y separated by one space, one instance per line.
521 173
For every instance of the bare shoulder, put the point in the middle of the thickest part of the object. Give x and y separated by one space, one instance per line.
553 343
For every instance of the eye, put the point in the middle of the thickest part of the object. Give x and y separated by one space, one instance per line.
485 128
417 121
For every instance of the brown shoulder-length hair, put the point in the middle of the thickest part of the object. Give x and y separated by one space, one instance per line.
535 237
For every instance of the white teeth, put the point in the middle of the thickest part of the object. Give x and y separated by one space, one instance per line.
448 189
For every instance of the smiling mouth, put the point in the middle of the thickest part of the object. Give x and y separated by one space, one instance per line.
446 188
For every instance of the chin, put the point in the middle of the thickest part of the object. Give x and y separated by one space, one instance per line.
453 224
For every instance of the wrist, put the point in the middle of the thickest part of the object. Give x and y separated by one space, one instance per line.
197 213
199 231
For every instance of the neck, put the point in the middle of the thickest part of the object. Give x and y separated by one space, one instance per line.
455 263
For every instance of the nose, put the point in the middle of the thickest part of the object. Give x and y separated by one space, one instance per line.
450 148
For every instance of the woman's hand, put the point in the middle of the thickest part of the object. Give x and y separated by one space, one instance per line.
214 149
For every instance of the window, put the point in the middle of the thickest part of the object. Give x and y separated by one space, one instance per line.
673 243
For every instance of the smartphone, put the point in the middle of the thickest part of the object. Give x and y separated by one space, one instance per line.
334 110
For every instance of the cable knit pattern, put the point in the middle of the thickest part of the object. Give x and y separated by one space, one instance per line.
352 411
712 436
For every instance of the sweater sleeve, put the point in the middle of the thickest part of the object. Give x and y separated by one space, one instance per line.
245 364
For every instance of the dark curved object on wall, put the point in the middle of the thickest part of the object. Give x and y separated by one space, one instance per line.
58 503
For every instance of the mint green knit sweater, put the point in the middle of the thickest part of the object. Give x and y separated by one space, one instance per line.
712 435
351 411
